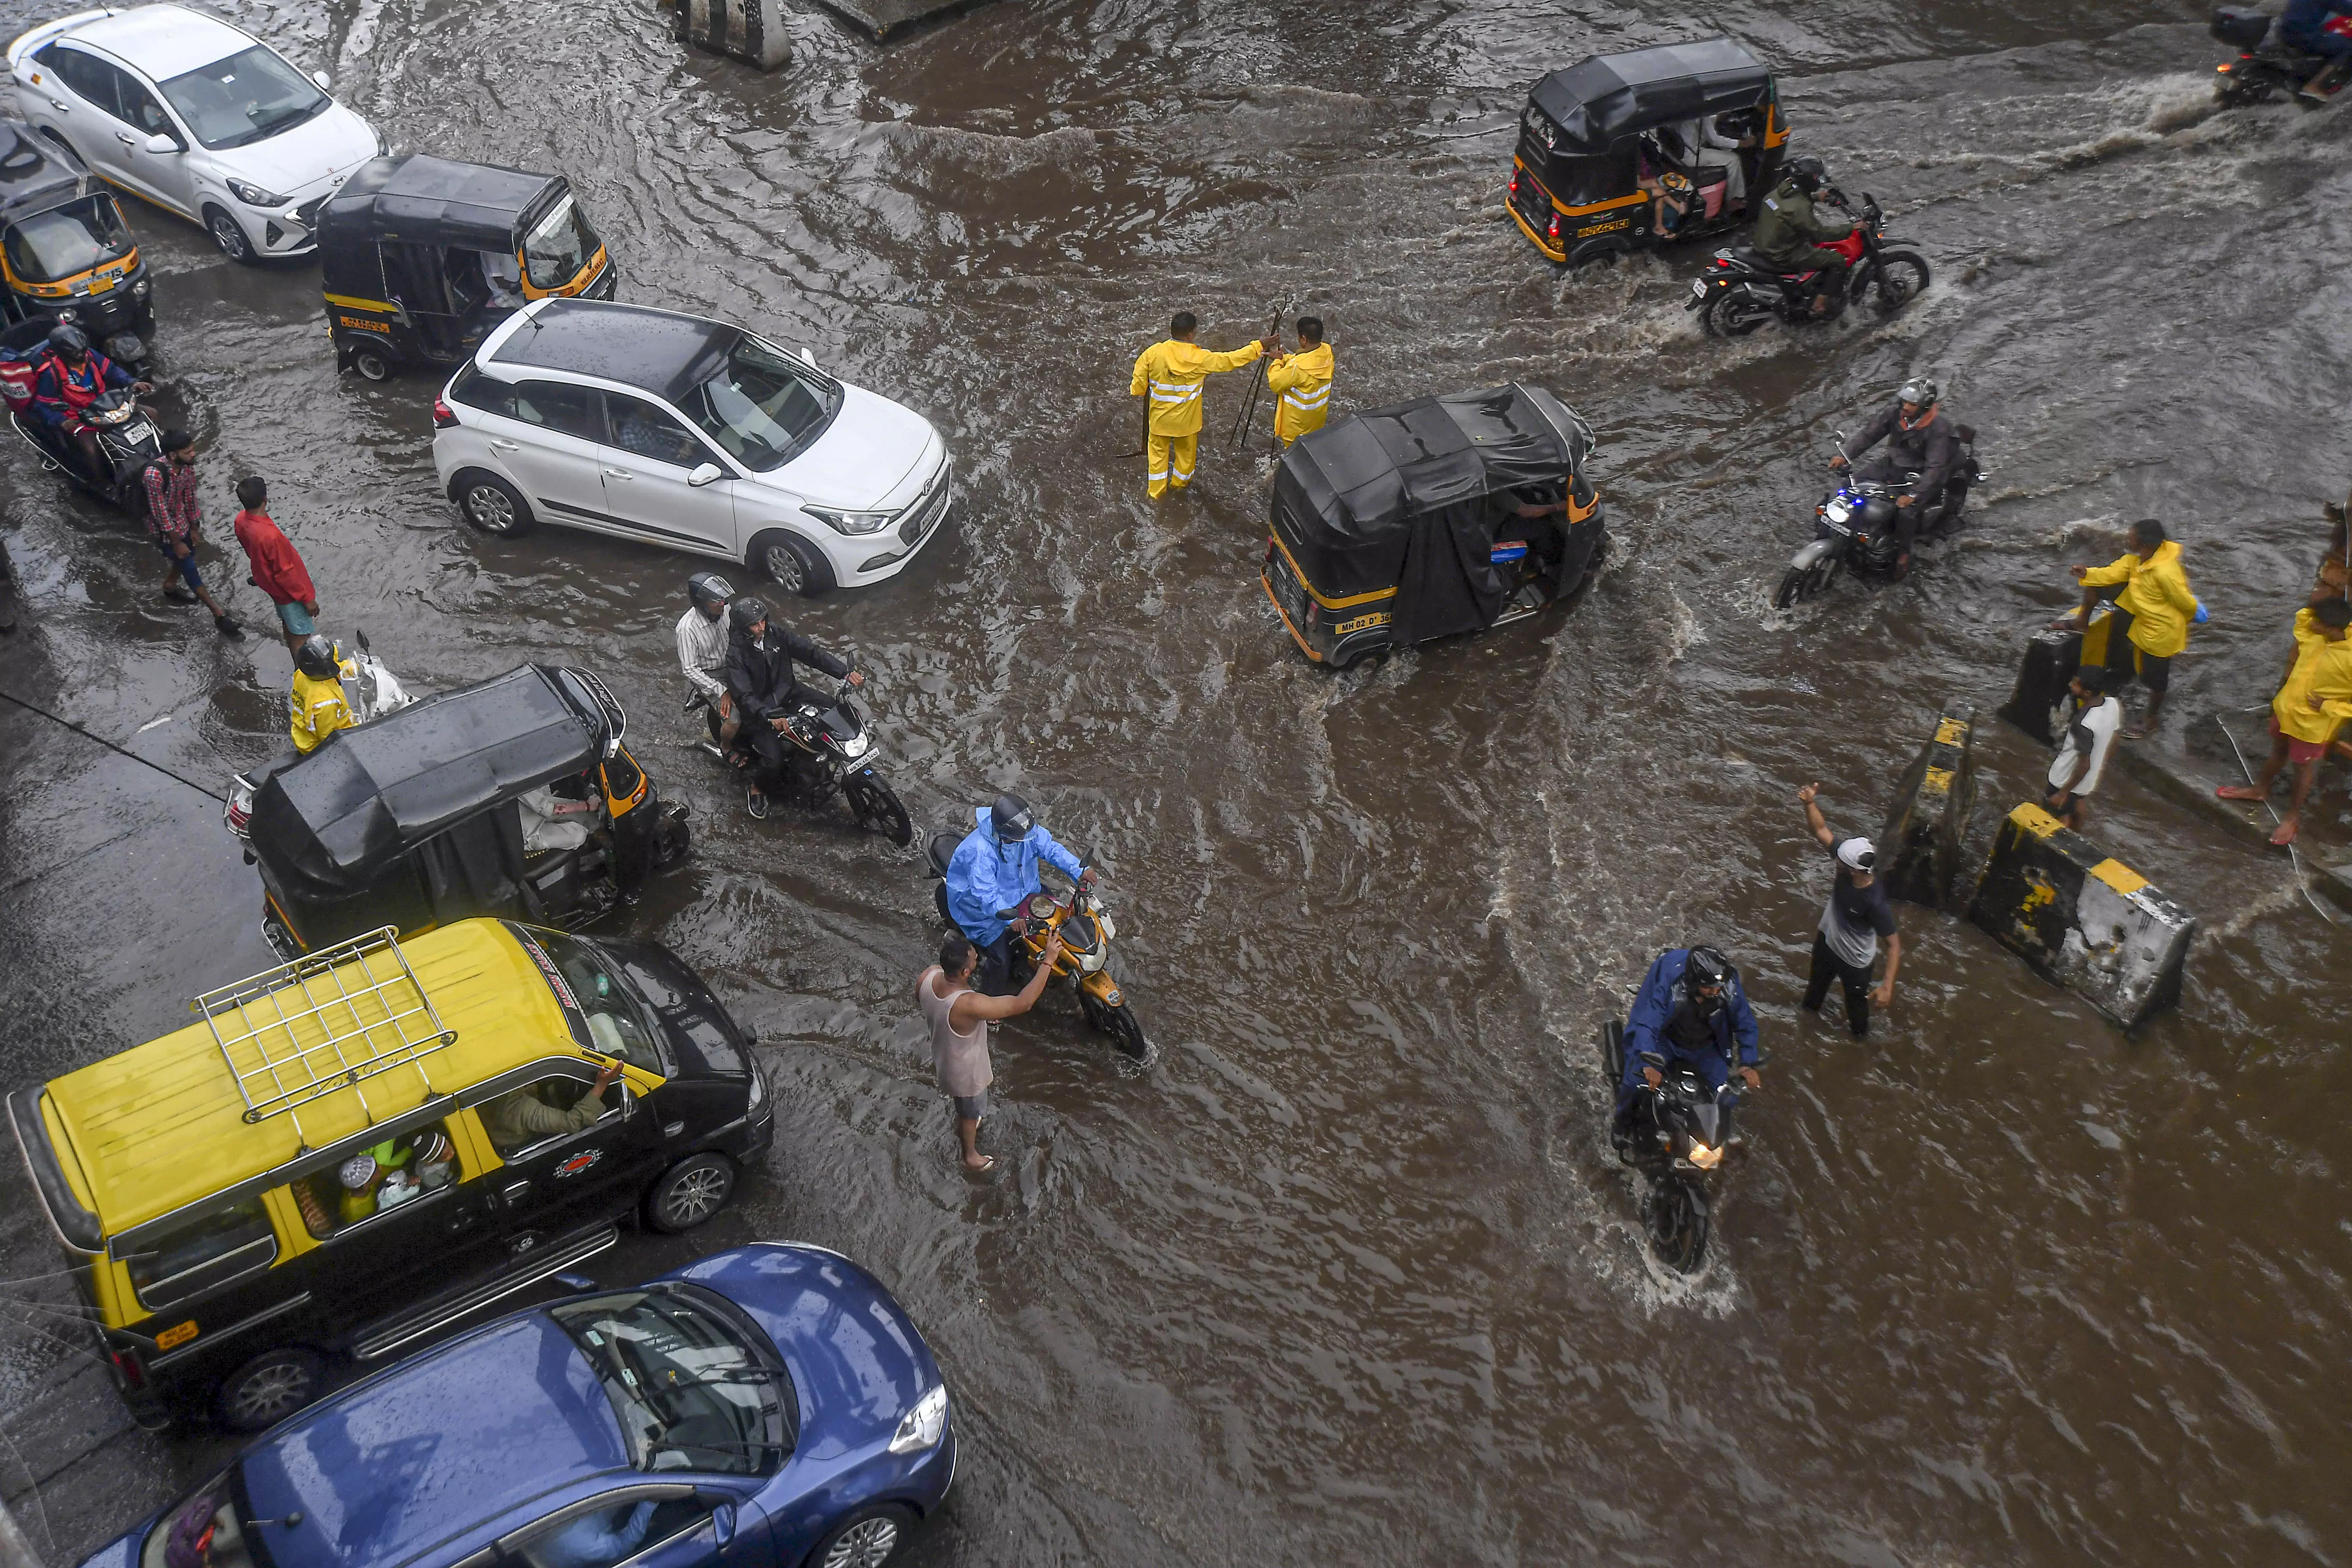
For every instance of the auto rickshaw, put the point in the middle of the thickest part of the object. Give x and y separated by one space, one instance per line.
422 257
1588 133
456 806
1430 519
66 254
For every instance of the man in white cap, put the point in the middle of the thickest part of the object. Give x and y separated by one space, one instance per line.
1854 920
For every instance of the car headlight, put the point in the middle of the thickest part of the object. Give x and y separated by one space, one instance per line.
922 1426
253 195
759 1088
851 523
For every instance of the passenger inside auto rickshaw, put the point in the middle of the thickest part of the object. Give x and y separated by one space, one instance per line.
560 815
1672 165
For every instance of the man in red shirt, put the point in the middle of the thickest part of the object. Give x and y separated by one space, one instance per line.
277 569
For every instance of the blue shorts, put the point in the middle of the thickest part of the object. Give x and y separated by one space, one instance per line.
187 563
296 619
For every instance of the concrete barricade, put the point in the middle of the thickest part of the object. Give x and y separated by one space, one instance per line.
2084 920
2051 660
1919 849
752 31
883 18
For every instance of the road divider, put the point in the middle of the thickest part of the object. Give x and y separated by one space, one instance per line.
752 31
1919 849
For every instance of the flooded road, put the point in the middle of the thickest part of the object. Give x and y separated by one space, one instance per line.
1352 1275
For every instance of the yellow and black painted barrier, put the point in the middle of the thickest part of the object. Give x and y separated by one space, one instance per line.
2051 660
2081 918
1919 849
752 31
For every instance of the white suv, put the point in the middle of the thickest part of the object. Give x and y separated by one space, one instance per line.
195 116
692 435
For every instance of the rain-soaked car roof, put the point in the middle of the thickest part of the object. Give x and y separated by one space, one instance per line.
1611 95
661 351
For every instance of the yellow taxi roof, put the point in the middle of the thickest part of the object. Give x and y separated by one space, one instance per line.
162 1125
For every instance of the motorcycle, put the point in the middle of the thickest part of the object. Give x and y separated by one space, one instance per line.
832 754
1681 1130
1087 932
372 690
1853 527
1740 290
2266 64
127 441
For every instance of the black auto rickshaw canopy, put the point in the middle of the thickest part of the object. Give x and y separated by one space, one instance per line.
409 820
1410 498
421 200
67 252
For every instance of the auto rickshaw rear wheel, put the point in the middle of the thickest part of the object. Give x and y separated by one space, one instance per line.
269 1388
491 505
790 563
689 1193
371 364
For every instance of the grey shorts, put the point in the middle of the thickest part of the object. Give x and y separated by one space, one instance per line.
971 1107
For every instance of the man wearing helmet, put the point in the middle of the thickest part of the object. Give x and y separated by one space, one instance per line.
1690 1008
1920 440
319 706
1792 235
759 678
992 872
702 649
72 376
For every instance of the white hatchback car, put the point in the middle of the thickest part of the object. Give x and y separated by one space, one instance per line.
686 433
195 116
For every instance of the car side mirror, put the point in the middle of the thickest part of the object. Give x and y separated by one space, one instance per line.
722 1523
706 474
324 80
162 145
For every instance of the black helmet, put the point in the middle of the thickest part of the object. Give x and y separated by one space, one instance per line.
316 657
1919 390
709 592
748 613
1011 819
1809 173
68 339
1705 967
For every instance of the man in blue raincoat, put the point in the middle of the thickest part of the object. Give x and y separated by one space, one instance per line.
993 870
1690 1008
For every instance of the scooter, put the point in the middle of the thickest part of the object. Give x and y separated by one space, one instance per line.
2266 65
1853 527
1740 290
372 690
1681 1130
832 754
127 441
1087 932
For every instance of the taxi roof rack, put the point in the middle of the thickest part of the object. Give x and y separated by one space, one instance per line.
364 1004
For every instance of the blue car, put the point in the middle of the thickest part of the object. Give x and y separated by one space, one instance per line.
764 1407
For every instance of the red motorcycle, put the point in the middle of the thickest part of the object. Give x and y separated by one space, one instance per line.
1740 290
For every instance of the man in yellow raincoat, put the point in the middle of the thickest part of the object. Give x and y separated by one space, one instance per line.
2315 697
1171 373
2154 609
1301 383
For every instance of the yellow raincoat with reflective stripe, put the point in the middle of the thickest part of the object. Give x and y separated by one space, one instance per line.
1302 386
1171 372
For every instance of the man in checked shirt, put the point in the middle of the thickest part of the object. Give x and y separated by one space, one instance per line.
702 649
176 524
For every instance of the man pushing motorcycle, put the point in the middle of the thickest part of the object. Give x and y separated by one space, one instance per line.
992 875
1690 1008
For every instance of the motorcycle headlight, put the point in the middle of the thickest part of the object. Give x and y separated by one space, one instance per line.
1705 1158
850 522
1838 511
922 1426
253 195
856 746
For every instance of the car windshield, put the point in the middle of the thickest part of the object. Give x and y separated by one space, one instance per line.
249 96
558 246
67 241
695 1386
615 1023
208 1528
763 405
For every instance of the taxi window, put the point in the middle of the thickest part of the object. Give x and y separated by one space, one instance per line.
199 1254
378 1179
616 1025
542 1111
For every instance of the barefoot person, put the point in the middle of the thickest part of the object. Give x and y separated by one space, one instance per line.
959 1017
2082 759
2315 697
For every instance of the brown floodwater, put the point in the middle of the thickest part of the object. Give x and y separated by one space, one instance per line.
1351 1274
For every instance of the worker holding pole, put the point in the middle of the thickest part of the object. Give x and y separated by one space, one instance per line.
1301 382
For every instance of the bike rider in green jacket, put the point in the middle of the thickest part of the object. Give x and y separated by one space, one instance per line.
1792 235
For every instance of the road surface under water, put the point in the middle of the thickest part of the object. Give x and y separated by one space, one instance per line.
1351 1274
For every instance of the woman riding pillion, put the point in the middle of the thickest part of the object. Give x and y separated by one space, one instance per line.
993 873
1692 1009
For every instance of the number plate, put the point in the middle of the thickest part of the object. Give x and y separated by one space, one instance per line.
1699 287
138 430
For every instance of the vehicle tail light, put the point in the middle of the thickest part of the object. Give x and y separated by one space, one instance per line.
1555 225
444 416
127 1368
1514 182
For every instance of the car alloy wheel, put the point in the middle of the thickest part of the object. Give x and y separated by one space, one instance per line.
228 235
785 569
691 1193
270 1389
865 1544
488 508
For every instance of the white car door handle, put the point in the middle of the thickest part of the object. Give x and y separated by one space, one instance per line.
498 445
61 106
126 139
618 474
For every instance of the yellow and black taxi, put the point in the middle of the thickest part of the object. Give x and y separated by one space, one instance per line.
421 258
1600 139
347 1153
1430 519
66 254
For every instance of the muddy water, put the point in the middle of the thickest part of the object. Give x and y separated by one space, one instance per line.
1350 1274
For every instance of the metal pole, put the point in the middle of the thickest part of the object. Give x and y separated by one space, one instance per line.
15 1548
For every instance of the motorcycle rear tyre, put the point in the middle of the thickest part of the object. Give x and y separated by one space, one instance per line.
1675 1218
1898 277
1733 313
878 808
